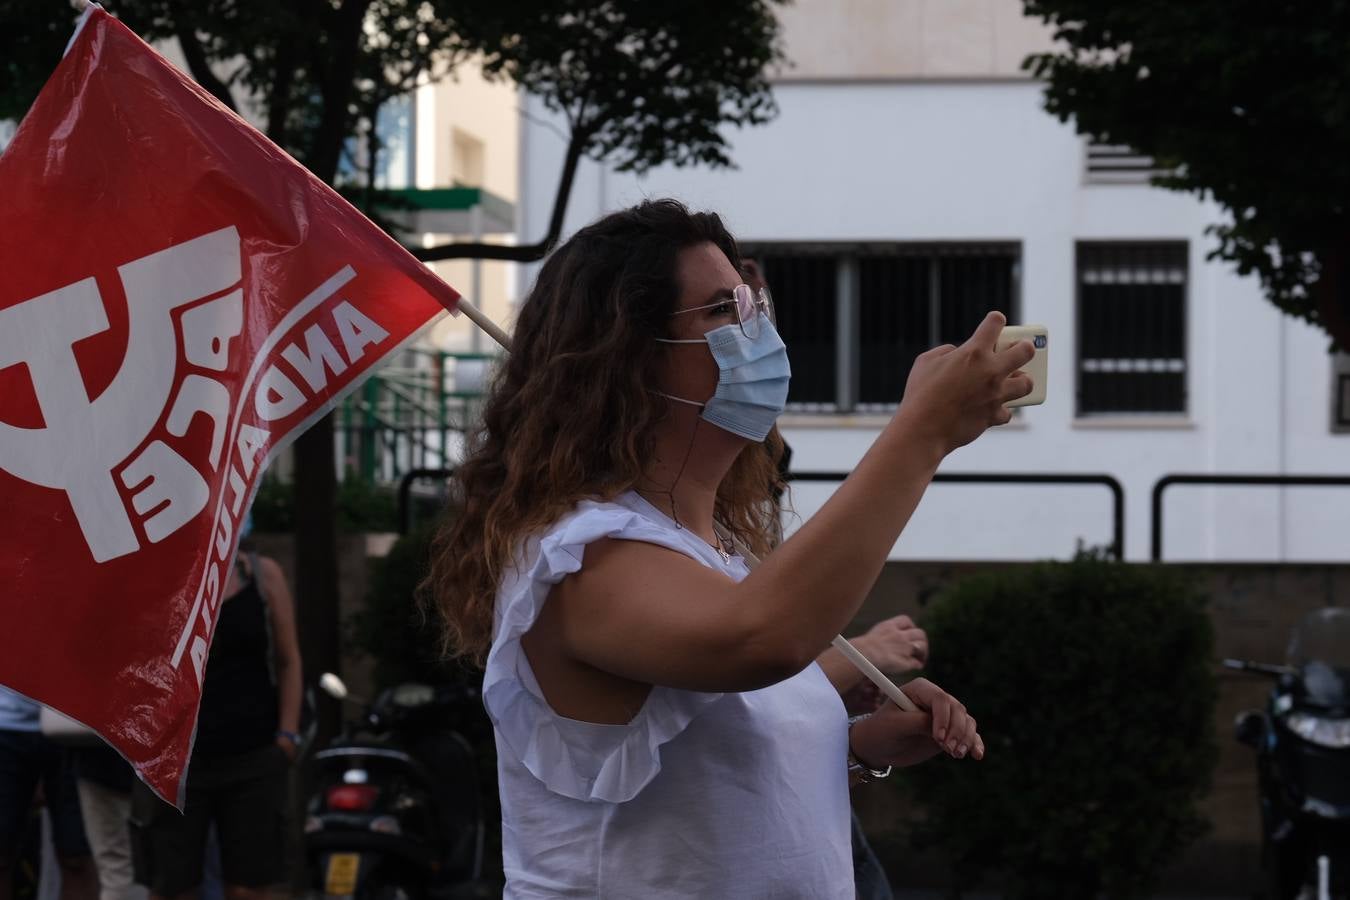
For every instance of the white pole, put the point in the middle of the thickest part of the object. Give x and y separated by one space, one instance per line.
477 317
875 675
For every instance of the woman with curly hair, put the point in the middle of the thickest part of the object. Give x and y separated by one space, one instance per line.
661 725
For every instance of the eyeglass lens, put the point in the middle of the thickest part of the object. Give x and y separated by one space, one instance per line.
748 308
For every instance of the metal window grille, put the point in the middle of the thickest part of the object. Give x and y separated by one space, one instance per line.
1120 164
1132 328
918 297
855 318
1343 403
806 298
1340 393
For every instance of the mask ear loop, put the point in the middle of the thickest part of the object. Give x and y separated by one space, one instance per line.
669 493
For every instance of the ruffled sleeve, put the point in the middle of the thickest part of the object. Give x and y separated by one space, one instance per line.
581 760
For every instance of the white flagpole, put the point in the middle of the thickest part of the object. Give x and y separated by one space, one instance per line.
86 10
875 675
479 318
840 643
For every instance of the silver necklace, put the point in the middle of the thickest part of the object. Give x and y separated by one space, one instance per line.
722 550
723 547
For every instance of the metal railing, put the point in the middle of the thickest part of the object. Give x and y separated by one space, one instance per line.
411 414
1117 547
1241 480
405 493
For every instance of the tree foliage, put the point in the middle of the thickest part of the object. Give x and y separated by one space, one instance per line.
1249 101
639 84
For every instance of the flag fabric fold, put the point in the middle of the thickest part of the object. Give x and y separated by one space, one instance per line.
181 300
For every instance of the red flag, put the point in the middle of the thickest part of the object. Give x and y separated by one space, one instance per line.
180 299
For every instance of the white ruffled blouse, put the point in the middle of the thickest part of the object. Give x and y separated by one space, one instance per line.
701 795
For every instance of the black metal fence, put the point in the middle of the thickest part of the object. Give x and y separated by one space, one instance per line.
1117 546
1241 480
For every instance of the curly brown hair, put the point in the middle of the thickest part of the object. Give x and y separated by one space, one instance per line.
571 415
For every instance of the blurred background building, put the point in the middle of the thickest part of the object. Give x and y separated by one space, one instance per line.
911 181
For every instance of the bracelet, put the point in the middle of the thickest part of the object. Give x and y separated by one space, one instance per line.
866 774
290 736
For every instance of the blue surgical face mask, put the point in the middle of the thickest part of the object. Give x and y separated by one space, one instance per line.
752 379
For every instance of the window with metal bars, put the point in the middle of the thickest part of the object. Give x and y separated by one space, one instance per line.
1132 328
854 318
1340 393
805 290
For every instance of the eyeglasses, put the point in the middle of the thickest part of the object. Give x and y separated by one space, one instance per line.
748 307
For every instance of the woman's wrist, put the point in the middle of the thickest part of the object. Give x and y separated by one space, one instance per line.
915 438
862 751
291 736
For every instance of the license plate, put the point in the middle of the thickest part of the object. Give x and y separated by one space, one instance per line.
341 875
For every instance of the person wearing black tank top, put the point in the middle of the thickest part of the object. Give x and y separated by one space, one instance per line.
246 741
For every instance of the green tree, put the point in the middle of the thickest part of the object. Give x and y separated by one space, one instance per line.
1249 101
639 84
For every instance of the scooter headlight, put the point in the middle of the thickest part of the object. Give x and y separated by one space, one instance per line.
1334 734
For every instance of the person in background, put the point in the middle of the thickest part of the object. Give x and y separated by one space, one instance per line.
104 781
247 738
29 760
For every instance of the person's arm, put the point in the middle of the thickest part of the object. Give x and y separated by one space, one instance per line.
894 737
894 646
655 616
287 647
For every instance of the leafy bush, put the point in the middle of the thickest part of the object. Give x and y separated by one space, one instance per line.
391 629
361 506
1092 682
273 509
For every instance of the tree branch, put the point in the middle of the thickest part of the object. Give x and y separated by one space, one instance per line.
279 103
199 65
336 88
521 252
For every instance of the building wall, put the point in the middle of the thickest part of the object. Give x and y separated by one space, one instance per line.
468 133
979 160
890 39
467 105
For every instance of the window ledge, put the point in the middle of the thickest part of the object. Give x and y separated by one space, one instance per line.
865 420
1181 423
833 420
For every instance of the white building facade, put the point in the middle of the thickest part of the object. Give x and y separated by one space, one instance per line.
912 181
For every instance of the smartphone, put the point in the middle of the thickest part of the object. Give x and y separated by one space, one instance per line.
1039 366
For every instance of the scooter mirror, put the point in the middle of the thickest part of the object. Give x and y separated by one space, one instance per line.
333 686
1249 727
